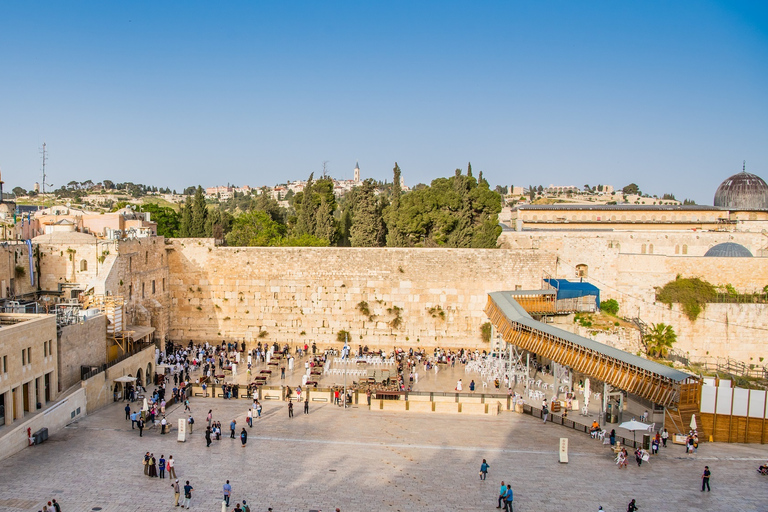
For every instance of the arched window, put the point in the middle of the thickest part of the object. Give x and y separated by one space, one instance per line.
582 271
642 249
83 265
650 248
677 249
685 249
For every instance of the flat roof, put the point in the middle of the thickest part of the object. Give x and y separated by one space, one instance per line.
621 207
515 312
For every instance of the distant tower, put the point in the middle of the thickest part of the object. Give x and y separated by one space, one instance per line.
1 189
402 181
37 187
357 172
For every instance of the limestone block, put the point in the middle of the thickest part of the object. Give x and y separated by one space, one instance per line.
419 406
446 407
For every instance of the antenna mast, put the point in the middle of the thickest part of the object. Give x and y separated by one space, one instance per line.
42 184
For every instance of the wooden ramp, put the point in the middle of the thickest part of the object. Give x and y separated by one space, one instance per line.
650 380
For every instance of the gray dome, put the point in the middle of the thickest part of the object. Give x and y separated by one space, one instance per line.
728 250
742 191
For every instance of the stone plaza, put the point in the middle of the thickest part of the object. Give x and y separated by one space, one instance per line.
361 460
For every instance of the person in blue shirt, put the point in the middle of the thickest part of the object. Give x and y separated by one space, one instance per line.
502 494
483 470
508 498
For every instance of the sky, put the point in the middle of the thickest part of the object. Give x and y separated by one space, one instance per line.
672 96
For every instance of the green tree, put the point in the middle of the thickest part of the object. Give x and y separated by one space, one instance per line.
108 184
18 191
199 215
305 212
610 306
325 224
659 340
185 220
167 219
631 189
255 229
367 228
218 223
345 224
395 237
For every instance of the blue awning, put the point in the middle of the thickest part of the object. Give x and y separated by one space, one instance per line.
570 290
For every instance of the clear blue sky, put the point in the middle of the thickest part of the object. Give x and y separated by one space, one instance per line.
670 95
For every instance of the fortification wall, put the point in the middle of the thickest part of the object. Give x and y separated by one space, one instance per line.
237 293
83 343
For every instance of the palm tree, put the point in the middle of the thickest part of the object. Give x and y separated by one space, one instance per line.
659 339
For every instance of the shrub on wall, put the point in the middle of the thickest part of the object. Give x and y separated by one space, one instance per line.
610 306
691 293
485 332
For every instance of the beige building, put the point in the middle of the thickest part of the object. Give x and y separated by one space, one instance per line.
28 365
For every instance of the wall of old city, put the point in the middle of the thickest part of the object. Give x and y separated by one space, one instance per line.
13 283
309 294
140 275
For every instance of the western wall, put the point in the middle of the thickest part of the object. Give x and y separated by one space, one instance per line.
428 297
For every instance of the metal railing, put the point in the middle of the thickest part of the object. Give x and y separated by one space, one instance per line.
568 423
95 370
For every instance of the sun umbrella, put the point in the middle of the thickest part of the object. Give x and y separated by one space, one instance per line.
693 422
145 406
634 426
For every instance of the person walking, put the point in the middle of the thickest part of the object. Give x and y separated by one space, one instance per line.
227 492
208 437
161 466
632 507
187 494
232 426
176 492
171 469
508 499
243 437
127 411
146 464
290 409
191 423
544 411
163 424
705 478
502 494
484 469
664 437
249 419
209 418
134 417
140 424
306 405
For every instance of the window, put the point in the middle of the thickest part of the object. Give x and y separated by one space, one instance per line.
45 349
142 290
153 287
83 265
163 284
130 264
130 291
29 355
23 357
685 249
677 249
146 257
650 249
5 364
642 249
582 271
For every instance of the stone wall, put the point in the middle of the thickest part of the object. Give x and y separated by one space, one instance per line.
11 256
306 294
100 388
84 343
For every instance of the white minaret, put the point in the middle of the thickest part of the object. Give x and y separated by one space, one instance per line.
357 172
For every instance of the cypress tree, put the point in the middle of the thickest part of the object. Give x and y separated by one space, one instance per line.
395 237
199 215
186 218
367 221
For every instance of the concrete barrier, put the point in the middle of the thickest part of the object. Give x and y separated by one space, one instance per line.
419 398
420 406
447 407
443 399
474 408
393 405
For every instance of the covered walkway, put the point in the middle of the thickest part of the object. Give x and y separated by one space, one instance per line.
653 381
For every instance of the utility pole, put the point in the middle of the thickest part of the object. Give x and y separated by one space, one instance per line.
346 364
42 183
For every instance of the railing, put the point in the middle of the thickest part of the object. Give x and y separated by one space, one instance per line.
725 365
102 368
559 420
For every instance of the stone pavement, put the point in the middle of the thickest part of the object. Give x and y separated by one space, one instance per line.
360 460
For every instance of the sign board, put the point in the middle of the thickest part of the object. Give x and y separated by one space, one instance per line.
564 450
182 430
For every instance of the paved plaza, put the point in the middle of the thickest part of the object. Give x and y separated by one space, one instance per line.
361 460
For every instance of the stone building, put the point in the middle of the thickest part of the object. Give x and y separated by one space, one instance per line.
28 365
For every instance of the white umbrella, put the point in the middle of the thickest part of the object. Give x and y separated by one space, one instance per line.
125 378
693 422
586 392
145 407
633 426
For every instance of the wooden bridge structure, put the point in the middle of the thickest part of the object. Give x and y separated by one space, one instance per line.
678 391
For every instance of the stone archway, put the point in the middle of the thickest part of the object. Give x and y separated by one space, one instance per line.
139 379
150 375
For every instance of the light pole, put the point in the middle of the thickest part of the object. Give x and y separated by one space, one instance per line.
345 355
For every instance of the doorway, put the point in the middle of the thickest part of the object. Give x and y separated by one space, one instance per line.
25 396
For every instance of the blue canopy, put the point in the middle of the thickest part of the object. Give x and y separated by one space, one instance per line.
569 290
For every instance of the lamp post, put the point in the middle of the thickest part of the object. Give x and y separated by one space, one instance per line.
344 357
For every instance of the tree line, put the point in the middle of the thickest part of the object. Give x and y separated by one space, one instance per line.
459 211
